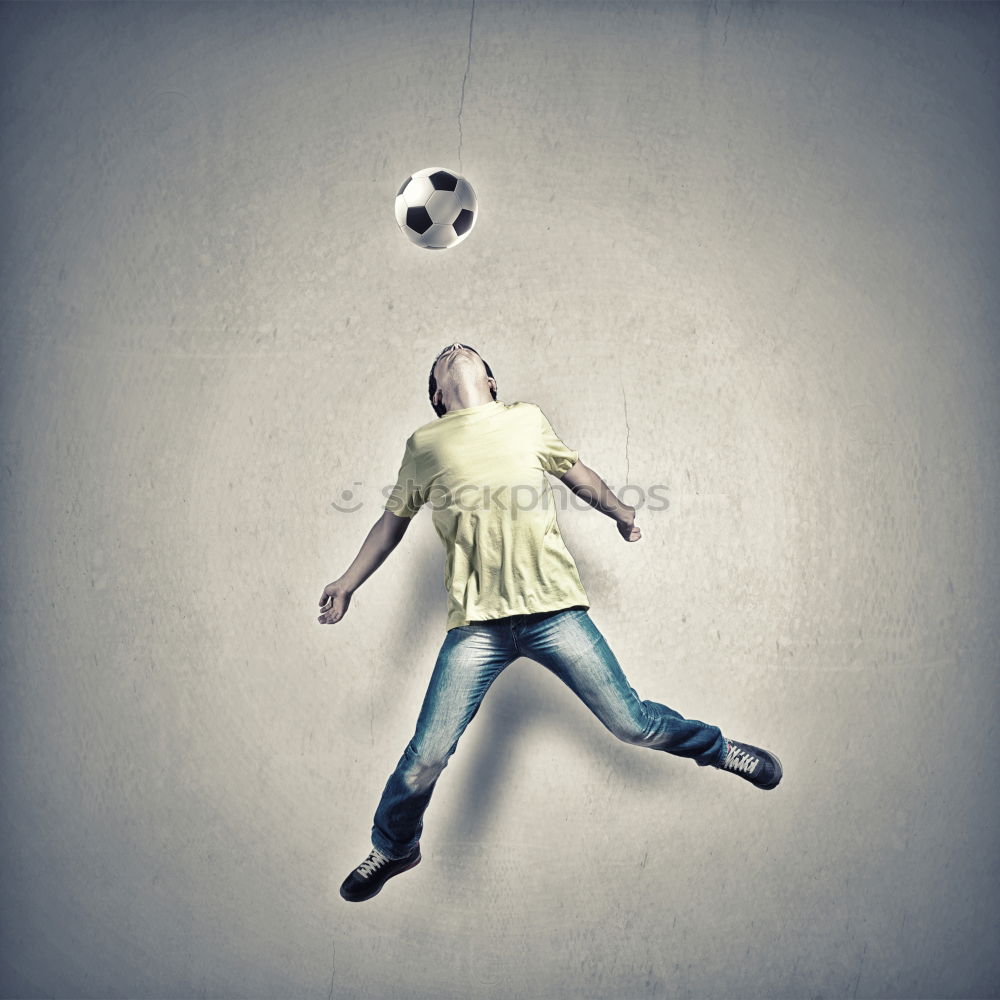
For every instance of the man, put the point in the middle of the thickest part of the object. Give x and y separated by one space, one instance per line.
513 590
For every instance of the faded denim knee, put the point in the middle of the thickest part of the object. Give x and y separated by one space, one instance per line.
421 770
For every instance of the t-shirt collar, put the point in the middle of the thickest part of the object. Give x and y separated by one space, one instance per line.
480 408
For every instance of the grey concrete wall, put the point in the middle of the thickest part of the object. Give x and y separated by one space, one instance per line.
747 253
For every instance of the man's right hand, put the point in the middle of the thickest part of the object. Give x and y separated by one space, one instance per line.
627 527
335 601
382 538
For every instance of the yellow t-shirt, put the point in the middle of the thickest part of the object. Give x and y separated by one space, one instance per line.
482 471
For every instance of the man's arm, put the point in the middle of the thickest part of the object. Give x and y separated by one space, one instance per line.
384 536
586 483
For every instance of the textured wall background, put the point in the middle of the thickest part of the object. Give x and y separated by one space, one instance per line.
746 252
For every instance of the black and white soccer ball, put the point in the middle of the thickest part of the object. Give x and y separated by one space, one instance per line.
436 208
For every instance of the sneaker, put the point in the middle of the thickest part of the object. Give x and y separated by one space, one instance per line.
368 878
759 767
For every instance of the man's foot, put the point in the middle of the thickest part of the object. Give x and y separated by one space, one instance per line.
759 767
368 878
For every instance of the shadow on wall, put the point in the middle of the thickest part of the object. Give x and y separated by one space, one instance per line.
422 613
520 703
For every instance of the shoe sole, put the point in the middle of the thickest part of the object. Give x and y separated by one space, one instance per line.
362 899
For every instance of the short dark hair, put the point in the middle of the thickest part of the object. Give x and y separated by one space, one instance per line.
432 386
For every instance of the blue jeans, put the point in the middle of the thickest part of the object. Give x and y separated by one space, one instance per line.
471 658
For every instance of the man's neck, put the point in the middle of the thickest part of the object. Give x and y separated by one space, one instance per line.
463 397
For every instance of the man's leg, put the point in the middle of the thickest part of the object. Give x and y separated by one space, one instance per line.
570 645
470 659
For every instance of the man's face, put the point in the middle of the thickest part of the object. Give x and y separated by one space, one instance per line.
458 362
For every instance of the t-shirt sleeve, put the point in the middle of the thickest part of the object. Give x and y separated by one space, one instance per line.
555 457
405 499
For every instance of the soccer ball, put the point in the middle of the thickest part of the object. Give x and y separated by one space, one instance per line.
436 208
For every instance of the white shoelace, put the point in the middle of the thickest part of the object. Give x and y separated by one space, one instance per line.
739 760
372 863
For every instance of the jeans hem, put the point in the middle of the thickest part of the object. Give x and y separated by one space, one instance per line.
381 843
719 757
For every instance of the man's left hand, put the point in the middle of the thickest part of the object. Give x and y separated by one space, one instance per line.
627 527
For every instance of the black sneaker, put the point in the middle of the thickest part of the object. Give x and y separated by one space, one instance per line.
368 878
759 767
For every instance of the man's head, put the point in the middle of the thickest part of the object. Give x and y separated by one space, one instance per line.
459 369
